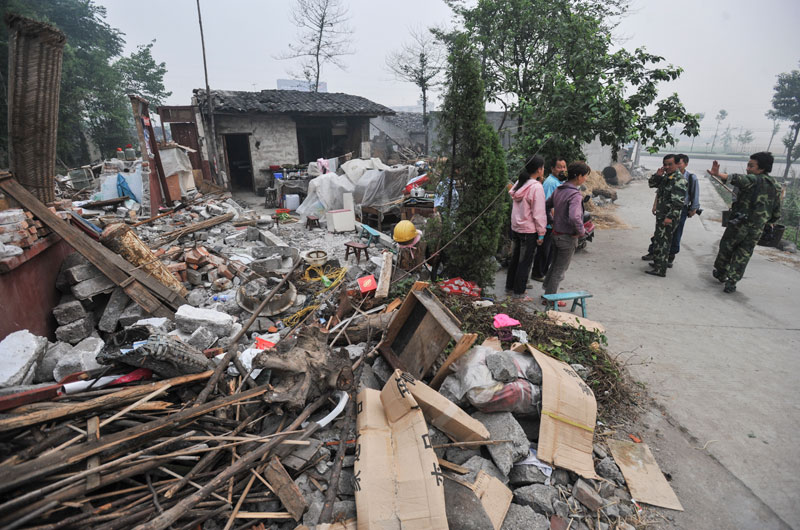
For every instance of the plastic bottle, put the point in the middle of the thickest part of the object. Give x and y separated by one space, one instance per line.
130 153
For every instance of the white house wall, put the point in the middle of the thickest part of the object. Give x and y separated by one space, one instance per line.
273 140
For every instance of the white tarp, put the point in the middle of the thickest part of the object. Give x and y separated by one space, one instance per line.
355 168
325 193
175 161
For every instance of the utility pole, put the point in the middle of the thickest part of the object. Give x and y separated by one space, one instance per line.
221 178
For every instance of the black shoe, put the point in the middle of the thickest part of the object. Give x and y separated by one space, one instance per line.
653 264
656 273
730 287
648 257
537 278
669 264
719 276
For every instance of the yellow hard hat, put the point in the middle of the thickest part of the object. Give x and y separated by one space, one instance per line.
404 232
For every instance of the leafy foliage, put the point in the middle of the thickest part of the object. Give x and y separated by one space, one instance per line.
786 107
721 116
94 79
550 62
477 162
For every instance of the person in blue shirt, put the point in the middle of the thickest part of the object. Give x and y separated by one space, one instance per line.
545 254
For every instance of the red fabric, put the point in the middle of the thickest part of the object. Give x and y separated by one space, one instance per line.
460 286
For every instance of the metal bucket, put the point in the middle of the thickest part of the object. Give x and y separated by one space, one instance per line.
772 235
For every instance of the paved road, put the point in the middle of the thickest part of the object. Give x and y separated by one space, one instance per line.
721 368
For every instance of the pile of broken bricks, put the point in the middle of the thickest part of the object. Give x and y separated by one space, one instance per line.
219 416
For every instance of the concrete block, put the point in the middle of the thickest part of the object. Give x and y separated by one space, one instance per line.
194 277
586 495
537 496
82 357
92 287
524 518
74 332
202 339
82 272
161 323
44 369
503 426
114 309
15 215
68 312
189 318
20 352
132 313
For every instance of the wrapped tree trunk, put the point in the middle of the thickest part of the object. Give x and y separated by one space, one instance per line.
34 82
122 240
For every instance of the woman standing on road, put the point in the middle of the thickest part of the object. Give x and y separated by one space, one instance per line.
528 224
567 224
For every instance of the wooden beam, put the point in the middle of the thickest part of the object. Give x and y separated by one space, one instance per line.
136 283
385 280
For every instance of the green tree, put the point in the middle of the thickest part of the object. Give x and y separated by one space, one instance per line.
551 64
476 160
93 102
142 75
745 138
727 139
786 107
775 127
721 116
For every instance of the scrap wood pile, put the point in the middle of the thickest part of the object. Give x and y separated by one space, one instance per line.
290 401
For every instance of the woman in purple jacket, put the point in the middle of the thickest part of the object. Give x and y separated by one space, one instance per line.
528 224
566 202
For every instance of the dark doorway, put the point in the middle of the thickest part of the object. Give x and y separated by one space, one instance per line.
313 142
240 165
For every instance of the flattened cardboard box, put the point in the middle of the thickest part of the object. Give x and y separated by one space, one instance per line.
569 414
399 484
443 413
642 474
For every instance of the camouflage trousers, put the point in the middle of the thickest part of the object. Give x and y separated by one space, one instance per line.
662 241
735 249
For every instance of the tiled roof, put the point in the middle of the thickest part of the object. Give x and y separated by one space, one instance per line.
292 102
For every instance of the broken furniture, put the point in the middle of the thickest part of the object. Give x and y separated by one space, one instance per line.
312 221
369 233
578 299
419 333
355 247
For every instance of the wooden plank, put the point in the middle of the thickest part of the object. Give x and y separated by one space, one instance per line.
461 347
98 403
121 441
424 345
113 266
93 435
385 279
285 488
442 315
453 467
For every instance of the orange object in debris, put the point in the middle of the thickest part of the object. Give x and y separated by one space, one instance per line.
282 210
263 344
635 438
367 284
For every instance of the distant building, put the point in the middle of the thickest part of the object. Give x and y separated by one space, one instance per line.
301 85
256 130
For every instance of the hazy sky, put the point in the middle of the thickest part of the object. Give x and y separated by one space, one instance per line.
729 55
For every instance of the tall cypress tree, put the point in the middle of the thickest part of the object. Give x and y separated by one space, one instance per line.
477 165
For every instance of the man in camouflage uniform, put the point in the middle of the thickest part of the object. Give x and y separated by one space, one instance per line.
758 203
670 198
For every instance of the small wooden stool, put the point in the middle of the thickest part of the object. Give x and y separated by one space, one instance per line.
369 233
578 299
355 247
312 221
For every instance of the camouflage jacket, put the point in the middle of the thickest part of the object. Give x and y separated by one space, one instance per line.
758 199
670 194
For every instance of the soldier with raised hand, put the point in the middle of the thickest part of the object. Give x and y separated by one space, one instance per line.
670 199
758 203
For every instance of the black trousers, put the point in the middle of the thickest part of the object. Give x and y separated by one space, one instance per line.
524 248
544 256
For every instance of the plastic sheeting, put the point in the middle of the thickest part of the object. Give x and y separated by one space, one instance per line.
379 188
175 161
382 190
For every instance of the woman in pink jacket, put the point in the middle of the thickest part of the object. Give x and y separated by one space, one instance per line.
528 224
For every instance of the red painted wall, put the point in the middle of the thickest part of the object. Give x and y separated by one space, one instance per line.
28 293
